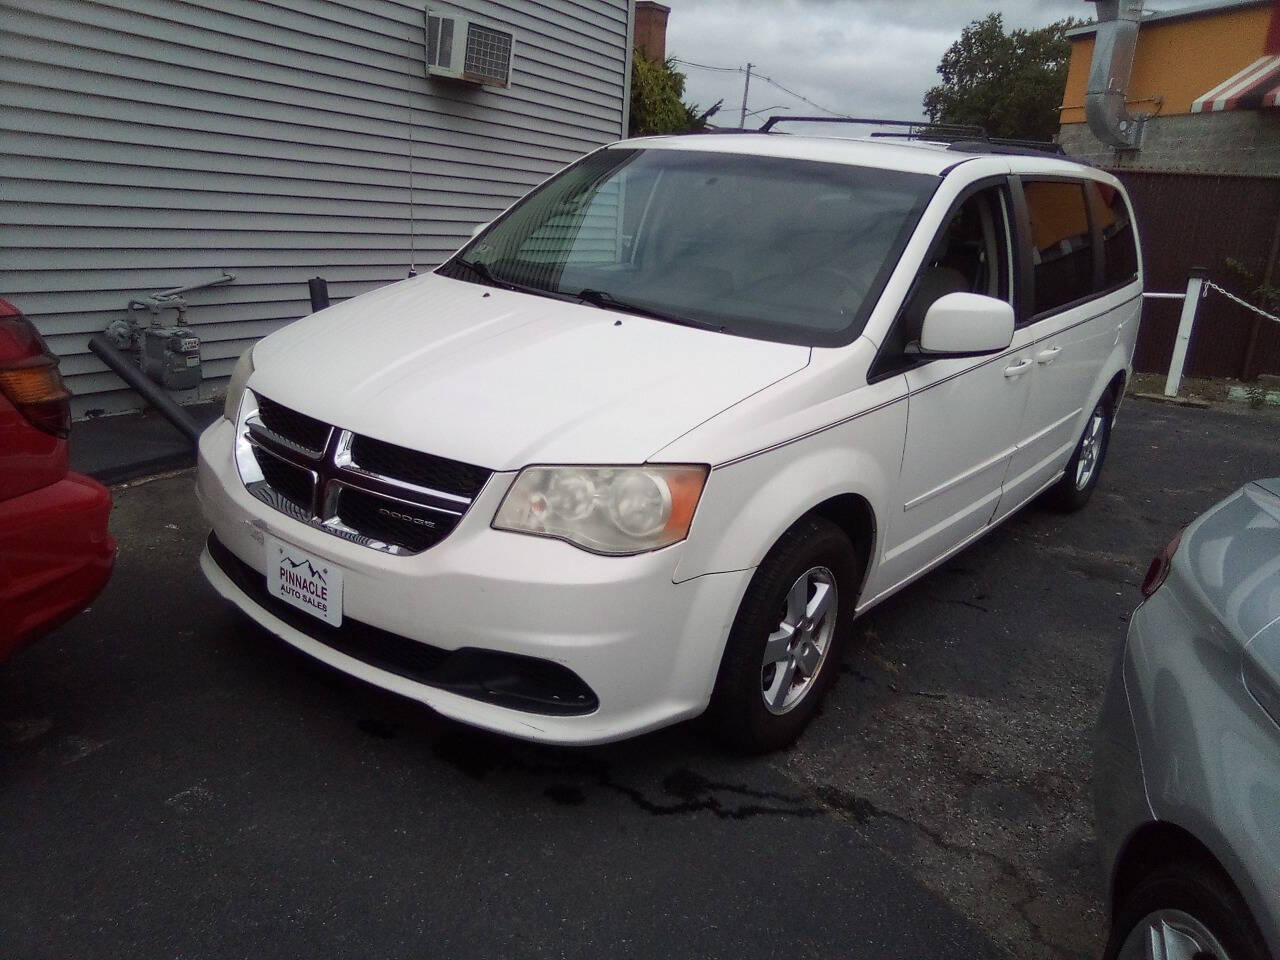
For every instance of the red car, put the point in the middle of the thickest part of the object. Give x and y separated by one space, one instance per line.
55 552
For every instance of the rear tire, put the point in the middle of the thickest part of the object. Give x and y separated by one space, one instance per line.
784 648
1192 907
1084 468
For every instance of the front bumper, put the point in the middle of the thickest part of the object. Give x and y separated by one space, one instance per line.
55 557
647 649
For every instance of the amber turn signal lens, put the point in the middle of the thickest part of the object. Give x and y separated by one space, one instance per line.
35 384
686 489
35 388
29 375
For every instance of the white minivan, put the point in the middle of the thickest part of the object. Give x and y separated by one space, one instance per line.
647 444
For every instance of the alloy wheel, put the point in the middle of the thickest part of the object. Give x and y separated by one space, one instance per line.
797 648
1091 447
1171 935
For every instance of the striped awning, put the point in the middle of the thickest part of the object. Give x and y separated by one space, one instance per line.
1257 85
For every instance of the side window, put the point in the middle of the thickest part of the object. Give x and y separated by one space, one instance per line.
971 255
1119 246
1062 246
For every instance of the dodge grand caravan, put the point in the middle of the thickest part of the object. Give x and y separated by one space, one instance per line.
647 444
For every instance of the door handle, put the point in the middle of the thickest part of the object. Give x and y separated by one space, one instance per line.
1047 356
1018 369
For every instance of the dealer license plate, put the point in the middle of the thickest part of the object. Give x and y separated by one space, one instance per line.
306 581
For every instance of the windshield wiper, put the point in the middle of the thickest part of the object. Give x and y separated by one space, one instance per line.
486 276
607 301
484 273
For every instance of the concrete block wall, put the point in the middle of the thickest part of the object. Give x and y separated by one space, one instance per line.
1232 142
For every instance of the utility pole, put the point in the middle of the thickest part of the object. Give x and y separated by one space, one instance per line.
742 121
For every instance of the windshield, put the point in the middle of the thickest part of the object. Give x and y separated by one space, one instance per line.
768 247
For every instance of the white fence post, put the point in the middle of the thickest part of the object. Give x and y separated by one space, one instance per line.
1195 290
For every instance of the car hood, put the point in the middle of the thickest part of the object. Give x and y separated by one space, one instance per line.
503 379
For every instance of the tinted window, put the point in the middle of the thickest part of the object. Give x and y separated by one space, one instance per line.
769 247
1119 246
1062 254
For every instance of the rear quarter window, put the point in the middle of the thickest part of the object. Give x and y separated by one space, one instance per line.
1119 243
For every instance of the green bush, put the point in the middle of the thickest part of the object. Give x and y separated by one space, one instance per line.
657 104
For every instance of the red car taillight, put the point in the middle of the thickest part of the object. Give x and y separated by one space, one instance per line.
29 375
1158 572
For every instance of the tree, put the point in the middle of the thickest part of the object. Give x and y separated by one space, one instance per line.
1011 84
657 89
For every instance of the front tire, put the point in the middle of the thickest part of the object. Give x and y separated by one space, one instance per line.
1190 910
784 648
1084 468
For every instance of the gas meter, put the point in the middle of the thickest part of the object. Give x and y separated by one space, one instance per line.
171 357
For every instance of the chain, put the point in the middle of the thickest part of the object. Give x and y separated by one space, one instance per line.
1244 303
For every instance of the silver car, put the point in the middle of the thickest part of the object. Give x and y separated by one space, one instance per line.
1188 774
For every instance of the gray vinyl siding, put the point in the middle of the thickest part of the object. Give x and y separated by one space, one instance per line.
150 144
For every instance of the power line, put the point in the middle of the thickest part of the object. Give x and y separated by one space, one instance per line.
703 66
834 113
761 76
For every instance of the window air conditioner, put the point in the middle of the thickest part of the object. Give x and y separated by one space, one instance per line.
462 49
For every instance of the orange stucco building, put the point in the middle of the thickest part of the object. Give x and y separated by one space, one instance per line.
1179 58
1207 75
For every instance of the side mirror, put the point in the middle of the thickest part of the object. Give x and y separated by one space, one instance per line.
475 231
966 325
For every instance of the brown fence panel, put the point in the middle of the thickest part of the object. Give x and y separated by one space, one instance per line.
1201 221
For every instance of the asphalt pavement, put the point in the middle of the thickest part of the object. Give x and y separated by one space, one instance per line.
126 447
176 783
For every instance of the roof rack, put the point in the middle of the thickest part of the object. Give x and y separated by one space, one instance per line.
1007 145
958 136
915 128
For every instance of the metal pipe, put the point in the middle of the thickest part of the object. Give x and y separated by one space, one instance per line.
129 372
172 299
1164 296
1115 40
225 278
319 288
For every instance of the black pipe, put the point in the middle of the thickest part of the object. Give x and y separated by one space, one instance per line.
319 293
130 373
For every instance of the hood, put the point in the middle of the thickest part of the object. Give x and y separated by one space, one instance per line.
503 379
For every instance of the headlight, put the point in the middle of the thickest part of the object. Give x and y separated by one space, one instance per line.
613 510
235 388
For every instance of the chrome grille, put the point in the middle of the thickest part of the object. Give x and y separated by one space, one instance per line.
292 483
306 433
368 491
412 526
422 469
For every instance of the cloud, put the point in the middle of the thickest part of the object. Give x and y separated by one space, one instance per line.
860 57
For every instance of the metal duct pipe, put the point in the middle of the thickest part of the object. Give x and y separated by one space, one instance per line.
1114 43
129 372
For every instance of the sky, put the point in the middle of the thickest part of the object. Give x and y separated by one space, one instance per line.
865 58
